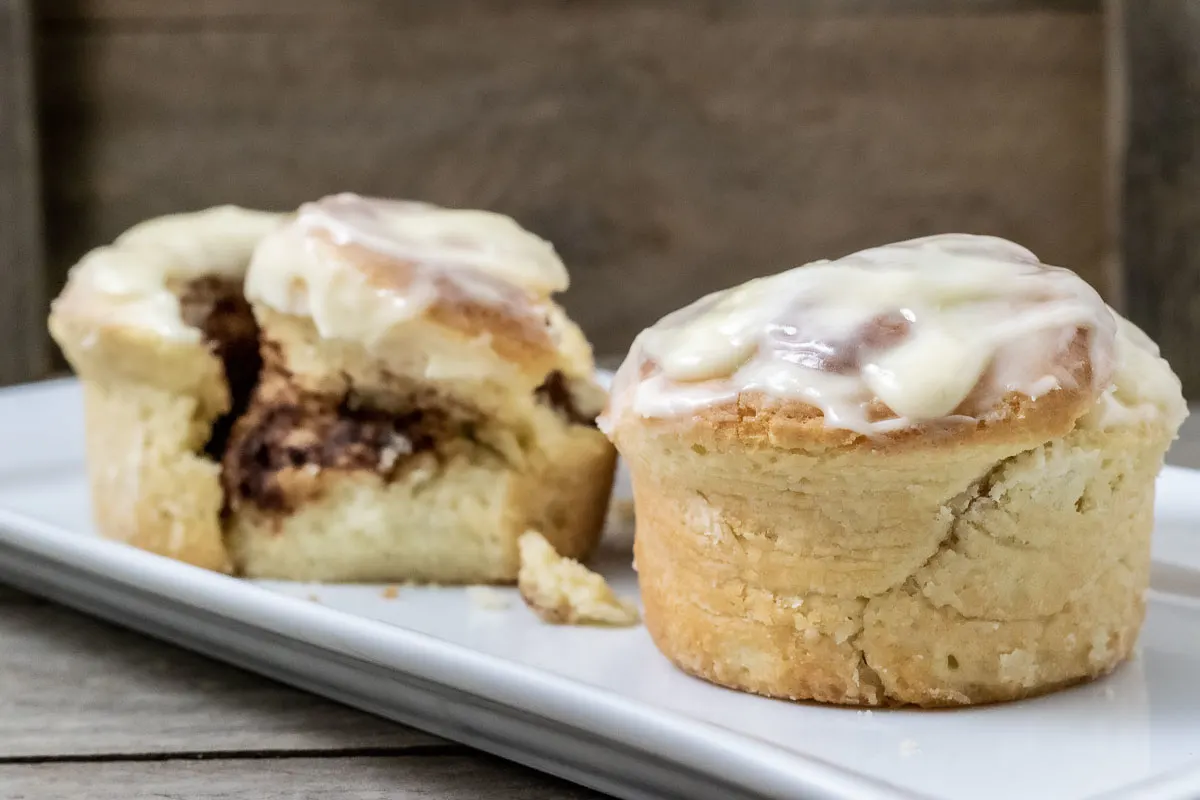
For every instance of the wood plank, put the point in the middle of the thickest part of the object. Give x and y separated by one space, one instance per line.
1161 188
25 352
1116 102
444 778
667 148
336 12
76 686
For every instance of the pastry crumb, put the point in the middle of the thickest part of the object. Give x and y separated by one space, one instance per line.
391 592
562 591
314 598
487 598
909 747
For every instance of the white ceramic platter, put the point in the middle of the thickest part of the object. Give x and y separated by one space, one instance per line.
599 706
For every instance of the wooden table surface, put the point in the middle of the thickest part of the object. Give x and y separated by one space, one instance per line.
89 709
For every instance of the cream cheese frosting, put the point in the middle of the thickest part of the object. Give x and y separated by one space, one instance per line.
1144 388
131 282
418 255
937 328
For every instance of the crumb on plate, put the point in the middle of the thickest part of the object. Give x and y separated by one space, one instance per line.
563 591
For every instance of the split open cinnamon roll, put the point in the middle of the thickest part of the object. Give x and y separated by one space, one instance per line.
364 390
922 473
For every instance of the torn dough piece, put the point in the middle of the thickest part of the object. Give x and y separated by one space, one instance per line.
564 592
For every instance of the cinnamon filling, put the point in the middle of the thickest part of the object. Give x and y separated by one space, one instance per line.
288 440
281 449
219 309
555 393
285 439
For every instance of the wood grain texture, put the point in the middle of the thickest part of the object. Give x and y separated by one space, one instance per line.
74 686
158 13
1160 204
667 148
1116 102
24 345
444 778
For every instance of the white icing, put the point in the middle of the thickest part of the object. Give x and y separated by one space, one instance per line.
1144 388
452 238
426 253
128 283
888 375
934 328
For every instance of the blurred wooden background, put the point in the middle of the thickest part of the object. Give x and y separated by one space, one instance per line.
667 148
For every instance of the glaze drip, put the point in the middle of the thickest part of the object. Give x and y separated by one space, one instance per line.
936 328
359 266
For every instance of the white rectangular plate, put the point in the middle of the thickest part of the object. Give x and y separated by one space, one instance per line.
600 706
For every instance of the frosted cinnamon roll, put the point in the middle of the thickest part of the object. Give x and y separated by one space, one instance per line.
423 401
919 474
166 346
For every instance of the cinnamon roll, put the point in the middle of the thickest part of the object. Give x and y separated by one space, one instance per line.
919 474
423 402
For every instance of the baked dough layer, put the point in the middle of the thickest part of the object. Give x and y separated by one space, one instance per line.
352 466
931 570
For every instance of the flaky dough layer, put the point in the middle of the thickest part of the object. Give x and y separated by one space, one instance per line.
943 567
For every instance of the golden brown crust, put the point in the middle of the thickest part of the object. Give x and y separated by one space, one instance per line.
755 419
989 564
925 656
